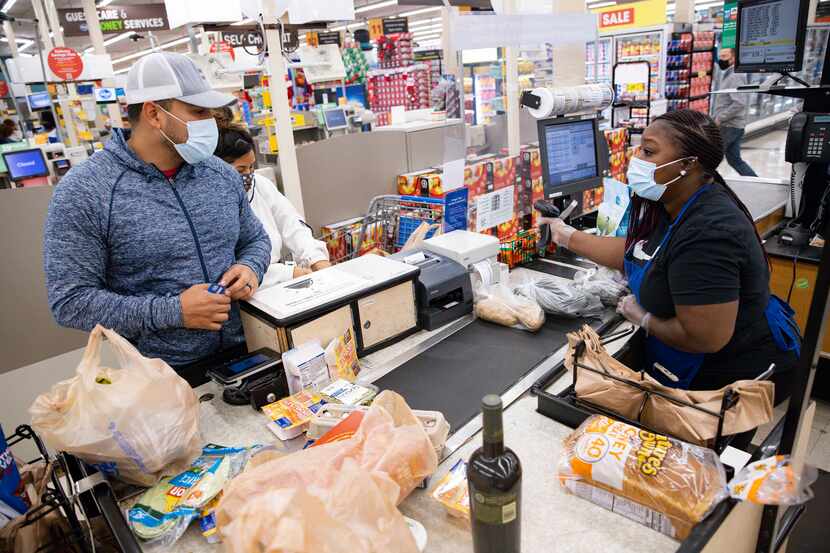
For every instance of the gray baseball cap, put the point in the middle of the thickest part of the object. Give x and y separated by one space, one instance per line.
169 76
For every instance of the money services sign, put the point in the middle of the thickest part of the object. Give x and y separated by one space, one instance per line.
116 19
631 15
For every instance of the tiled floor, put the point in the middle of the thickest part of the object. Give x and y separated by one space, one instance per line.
765 154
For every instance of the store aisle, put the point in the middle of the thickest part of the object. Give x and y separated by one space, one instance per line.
765 154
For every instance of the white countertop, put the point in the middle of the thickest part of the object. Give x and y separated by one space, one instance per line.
550 516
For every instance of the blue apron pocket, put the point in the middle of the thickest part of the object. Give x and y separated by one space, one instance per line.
782 325
671 367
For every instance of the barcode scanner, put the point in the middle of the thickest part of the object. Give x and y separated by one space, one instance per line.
547 208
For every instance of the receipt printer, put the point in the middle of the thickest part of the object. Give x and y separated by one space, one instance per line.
443 288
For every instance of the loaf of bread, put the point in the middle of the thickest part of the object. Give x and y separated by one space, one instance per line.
661 482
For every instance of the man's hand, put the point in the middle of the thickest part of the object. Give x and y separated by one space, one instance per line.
301 271
320 265
240 282
202 310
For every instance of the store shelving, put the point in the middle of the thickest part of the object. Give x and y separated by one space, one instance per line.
599 59
689 70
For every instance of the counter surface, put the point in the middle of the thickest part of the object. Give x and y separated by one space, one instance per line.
550 516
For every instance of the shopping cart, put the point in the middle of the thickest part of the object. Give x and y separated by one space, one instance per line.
388 224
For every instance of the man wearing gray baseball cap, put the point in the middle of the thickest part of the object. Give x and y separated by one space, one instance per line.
136 235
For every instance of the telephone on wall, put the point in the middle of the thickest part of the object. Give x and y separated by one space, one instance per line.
808 138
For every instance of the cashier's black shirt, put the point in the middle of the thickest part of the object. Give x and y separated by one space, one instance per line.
713 256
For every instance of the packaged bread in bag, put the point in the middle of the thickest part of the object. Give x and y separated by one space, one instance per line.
655 480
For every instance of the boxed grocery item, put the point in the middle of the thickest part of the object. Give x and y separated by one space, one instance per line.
290 415
408 183
658 481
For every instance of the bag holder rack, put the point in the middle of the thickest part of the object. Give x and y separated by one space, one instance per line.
91 495
570 410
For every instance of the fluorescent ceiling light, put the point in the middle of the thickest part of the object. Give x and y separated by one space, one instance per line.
121 70
601 5
422 29
349 27
103 3
427 36
243 22
8 6
165 46
376 6
112 40
419 12
421 22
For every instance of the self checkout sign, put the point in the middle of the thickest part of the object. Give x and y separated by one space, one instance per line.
244 38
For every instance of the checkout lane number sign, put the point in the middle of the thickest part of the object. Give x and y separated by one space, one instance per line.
65 63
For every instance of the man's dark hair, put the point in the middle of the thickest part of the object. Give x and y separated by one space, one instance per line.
134 110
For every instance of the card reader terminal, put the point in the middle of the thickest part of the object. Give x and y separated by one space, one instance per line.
235 371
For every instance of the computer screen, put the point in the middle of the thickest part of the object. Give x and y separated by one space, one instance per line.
25 164
85 89
39 101
570 159
335 119
105 95
770 35
250 81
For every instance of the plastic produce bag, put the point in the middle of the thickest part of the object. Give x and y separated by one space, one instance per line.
137 423
607 284
773 481
658 481
498 304
340 496
560 298
165 511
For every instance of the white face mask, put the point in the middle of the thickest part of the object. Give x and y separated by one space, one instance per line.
202 137
640 176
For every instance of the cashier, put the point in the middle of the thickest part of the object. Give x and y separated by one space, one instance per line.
695 264
286 229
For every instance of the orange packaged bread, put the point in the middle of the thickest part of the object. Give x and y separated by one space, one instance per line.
653 479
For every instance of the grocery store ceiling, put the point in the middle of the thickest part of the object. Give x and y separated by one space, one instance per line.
423 19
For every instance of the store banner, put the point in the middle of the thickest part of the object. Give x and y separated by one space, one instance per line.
730 23
116 19
822 12
375 28
395 25
247 36
631 15
328 38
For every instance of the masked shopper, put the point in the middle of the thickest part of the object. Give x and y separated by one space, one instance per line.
730 112
287 231
695 264
136 234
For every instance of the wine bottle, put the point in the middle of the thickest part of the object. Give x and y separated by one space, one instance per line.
494 475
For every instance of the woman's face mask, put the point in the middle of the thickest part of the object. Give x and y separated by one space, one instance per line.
640 177
247 181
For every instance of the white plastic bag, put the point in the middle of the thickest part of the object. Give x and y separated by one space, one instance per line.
137 423
608 285
497 303
560 298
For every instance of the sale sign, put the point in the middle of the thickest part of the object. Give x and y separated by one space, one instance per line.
65 63
631 15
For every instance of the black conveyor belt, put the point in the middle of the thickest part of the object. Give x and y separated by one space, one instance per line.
482 358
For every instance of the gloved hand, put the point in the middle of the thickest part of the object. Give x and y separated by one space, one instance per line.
560 231
634 312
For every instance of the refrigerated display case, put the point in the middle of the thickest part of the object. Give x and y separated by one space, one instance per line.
599 59
483 92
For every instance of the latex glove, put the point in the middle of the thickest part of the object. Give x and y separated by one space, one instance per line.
560 231
634 312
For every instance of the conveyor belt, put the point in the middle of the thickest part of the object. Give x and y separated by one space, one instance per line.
482 358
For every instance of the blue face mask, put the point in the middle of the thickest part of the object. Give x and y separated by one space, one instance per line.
202 137
640 177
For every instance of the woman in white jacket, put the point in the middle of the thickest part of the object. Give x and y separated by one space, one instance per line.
283 224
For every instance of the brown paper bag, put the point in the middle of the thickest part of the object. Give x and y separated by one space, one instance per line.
753 407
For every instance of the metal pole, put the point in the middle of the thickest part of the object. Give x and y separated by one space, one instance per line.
193 42
511 58
97 38
46 84
8 29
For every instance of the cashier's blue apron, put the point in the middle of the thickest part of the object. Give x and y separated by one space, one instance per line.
677 369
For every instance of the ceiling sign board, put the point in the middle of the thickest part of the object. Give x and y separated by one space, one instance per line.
65 63
328 38
243 37
116 19
395 25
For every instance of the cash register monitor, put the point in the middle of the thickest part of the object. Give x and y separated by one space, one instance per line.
39 101
335 119
570 156
770 35
25 164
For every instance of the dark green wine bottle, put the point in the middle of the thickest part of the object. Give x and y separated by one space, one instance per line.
494 475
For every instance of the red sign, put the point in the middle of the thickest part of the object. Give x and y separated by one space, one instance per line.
65 63
624 16
4 88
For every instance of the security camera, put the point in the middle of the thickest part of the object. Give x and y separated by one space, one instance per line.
135 37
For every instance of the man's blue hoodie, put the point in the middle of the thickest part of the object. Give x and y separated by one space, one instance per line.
122 242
